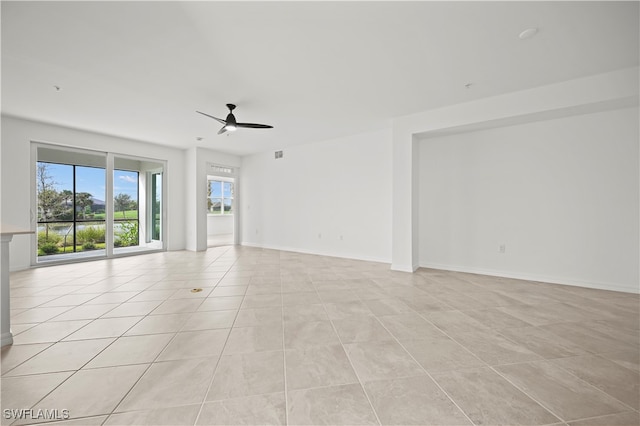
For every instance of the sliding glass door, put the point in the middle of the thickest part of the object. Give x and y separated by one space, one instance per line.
81 213
70 194
126 206
137 200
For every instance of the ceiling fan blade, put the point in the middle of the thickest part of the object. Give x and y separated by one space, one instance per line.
221 121
221 131
254 126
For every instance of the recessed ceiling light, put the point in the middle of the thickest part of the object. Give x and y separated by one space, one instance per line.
528 33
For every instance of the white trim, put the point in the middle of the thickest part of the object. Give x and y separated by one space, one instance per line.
315 252
5 291
7 339
220 178
233 178
108 204
235 206
404 268
534 277
33 210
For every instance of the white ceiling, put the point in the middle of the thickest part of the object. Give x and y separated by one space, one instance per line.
313 70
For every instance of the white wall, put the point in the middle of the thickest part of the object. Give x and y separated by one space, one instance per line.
17 135
562 195
219 224
613 90
328 198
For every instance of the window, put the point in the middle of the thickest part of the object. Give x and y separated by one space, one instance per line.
71 209
92 203
125 208
220 197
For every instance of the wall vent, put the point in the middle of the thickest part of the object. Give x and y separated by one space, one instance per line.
278 154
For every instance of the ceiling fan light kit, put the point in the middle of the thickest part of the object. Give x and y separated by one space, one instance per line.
230 124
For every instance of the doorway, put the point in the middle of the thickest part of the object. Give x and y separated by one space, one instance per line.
221 207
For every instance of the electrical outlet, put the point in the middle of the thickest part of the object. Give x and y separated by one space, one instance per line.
502 248
319 235
256 231
341 238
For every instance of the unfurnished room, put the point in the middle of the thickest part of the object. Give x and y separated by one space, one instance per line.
320 213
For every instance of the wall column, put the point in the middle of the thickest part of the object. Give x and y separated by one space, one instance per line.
404 202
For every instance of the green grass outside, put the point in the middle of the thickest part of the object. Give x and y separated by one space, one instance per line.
128 214
69 249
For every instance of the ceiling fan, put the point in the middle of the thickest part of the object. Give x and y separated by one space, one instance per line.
230 124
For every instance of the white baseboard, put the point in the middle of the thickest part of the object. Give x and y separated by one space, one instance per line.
404 268
19 267
6 339
534 277
315 252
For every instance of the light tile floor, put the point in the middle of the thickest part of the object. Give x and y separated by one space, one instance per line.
285 338
219 240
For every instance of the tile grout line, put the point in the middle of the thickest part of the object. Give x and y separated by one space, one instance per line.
83 365
95 356
420 365
215 369
518 363
491 367
527 394
542 359
427 372
79 369
603 416
284 353
138 380
91 320
594 386
4 375
355 372
145 370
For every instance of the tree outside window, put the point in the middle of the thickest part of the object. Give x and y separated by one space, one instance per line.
220 197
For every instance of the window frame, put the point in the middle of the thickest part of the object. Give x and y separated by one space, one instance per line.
222 197
59 156
74 208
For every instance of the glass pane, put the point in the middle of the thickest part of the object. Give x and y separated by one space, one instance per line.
90 193
125 233
156 208
54 185
227 206
215 205
55 238
125 190
215 188
90 236
228 189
